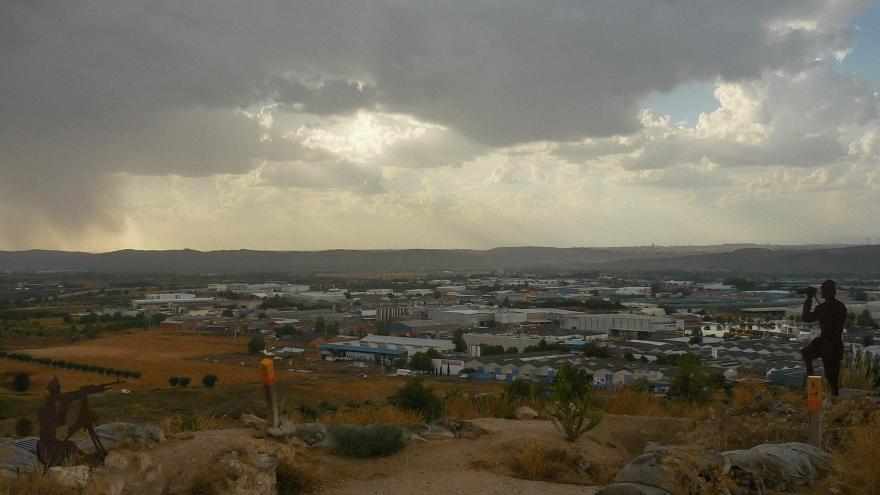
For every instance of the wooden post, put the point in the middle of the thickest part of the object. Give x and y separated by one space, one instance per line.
814 408
268 369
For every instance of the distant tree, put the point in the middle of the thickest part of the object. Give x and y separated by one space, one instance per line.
228 313
331 329
184 381
319 325
694 381
518 389
864 320
256 344
593 350
174 381
421 361
458 340
868 340
209 380
381 328
416 397
511 350
629 356
859 295
21 382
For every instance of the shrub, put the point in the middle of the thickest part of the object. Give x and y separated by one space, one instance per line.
518 389
256 345
416 397
174 380
21 382
24 427
209 380
184 381
380 439
570 406
307 412
363 416
693 381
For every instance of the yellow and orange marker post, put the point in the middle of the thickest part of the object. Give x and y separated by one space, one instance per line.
267 368
814 408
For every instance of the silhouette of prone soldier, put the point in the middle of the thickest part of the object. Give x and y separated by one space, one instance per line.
831 316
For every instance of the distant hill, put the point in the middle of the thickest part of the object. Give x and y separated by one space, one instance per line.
859 260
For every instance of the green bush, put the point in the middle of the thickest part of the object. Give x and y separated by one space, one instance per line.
570 408
518 389
173 381
21 382
184 381
256 345
24 427
416 397
209 380
380 439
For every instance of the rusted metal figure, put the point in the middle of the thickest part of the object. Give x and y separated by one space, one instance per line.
831 316
53 414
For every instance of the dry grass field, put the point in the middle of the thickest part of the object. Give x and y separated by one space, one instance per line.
159 354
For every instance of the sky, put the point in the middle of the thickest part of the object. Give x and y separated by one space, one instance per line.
375 124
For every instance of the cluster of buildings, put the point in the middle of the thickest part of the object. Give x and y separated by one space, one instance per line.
641 325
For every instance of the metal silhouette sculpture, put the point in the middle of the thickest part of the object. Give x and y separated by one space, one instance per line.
831 316
53 414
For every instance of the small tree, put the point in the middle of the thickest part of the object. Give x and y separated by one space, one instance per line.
868 340
21 382
458 340
570 405
256 344
421 362
416 397
174 381
865 320
209 380
24 427
518 390
184 381
319 325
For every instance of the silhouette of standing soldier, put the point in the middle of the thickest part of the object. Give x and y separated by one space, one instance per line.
831 316
50 450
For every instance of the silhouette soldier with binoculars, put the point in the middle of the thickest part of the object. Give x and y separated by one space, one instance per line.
831 316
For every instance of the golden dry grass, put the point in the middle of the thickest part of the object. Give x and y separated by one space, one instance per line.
33 484
362 416
198 422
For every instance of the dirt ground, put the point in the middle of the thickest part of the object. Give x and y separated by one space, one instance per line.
481 465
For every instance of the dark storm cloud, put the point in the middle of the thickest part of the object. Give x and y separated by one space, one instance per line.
97 87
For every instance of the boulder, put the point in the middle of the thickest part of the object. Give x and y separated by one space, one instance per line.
310 433
253 421
284 429
74 477
114 435
780 467
663 470
247 475
18 456
129 472
526 412
432 432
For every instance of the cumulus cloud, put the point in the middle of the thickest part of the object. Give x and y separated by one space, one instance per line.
334 95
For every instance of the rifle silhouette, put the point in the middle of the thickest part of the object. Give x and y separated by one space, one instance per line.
86 417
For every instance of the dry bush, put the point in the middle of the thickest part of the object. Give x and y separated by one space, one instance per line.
860 375
292 478
33 484
692 473
171 424
363 416
536 462
202 422
461 408
751 396
858 460
634 403
198 422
